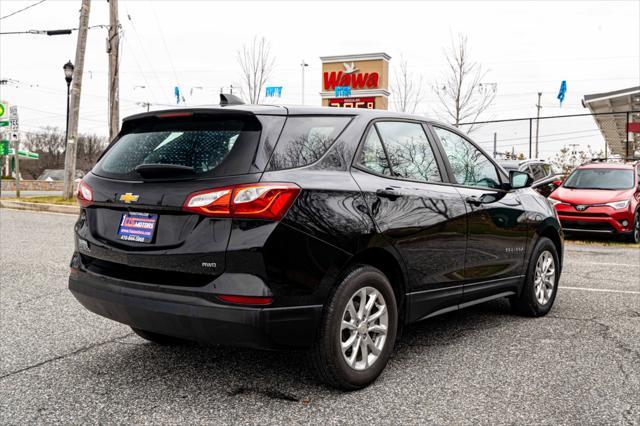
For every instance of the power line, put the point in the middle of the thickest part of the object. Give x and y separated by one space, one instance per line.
23 9
144 53
543 136
550 140
164 42
32 86
65 31
144 77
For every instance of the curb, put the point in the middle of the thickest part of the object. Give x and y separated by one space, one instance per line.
40 207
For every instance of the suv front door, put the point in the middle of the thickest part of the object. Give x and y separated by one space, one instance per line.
401 179
496 225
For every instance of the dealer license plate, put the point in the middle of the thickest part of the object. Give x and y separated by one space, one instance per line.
137 227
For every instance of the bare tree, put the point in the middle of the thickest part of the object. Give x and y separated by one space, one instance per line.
567 159
463 94
406 89
90 147
256 64
50 145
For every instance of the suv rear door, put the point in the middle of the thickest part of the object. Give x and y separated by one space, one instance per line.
401 178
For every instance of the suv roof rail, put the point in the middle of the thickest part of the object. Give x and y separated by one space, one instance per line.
627 160
229 99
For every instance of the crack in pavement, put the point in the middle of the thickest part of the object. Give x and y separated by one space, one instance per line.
268 392
56 358
605 331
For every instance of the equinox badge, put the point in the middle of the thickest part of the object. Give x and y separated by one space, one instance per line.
129 197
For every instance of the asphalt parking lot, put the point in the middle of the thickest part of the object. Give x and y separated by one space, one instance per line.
62 364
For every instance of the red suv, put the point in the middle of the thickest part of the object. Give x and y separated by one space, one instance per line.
601 198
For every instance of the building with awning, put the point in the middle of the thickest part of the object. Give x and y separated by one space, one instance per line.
619 125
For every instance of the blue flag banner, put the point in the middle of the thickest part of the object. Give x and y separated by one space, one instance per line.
563 90
343 91
177 93
273 91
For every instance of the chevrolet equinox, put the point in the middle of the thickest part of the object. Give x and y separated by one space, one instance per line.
305 227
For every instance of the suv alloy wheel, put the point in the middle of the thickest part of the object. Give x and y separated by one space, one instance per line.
541 283
358 330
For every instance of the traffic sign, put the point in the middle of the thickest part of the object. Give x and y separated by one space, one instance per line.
14 124
24 155
13 118
4 147
4 113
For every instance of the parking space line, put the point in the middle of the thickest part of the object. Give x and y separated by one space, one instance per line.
606 263
604 290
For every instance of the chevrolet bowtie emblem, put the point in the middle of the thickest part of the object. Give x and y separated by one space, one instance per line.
129 197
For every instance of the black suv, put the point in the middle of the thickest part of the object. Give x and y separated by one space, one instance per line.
319 228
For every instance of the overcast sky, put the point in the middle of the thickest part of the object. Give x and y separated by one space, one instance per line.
527 47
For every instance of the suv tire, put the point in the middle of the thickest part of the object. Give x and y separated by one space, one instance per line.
159 339
541 282
346 320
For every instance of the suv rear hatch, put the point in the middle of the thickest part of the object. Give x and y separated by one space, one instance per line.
134 212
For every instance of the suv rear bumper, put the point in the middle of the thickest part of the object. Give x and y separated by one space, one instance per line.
194 318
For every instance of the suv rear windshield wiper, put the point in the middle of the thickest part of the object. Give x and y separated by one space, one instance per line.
163 170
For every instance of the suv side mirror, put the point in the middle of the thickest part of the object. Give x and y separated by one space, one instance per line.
519 180
556 183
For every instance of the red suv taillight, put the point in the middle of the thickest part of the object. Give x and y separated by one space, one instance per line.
85 194
255 200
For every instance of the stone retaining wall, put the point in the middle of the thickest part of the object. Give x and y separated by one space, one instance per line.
32 185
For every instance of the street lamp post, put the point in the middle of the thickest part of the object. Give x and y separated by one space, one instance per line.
68 76
303 64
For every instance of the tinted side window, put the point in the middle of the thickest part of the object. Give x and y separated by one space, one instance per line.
409 151
305 139
536 171
373 156
470 166
546 169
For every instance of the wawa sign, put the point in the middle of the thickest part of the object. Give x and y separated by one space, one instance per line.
366 76
351 77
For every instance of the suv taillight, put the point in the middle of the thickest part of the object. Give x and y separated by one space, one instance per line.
255 200
85 194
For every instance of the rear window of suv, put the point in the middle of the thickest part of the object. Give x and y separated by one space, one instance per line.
210 146
305 139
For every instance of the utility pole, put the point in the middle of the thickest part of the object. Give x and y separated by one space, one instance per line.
113 49
303 65
538 121
74 102
495 144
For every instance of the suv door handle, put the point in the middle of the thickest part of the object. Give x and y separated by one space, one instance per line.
473 200
388 192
